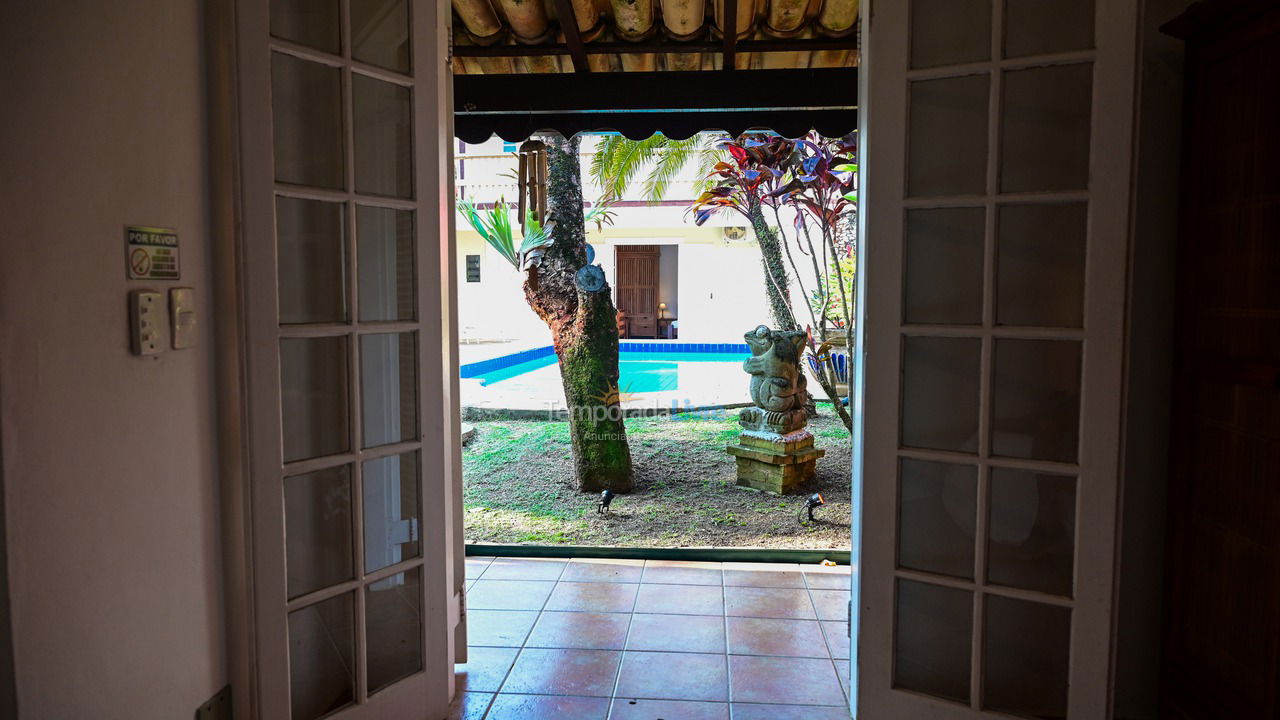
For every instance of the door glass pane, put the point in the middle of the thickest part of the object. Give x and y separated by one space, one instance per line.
393 628
933 639
313 389
384 245
937 512
1040 265
1026 649
1045 128
321 653
948 136
950 32
383 137
940 393
1032 530
944 266
317 523
380 33
310 243
389 387
313 23
1036 403
1037 27
390 510
306 115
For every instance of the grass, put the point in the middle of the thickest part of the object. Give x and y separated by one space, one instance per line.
518 487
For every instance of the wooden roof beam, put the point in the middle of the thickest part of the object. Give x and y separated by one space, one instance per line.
729 26
572 38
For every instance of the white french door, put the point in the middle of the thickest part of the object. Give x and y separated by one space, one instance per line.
343 121
997 138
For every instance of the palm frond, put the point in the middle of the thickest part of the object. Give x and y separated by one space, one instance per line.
605 153
668 165
619 159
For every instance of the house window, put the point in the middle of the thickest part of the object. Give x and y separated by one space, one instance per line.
473 268
508 147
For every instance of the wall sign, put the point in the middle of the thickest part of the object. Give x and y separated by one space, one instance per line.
151 253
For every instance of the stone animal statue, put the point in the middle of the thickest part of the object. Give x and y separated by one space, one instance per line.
777 382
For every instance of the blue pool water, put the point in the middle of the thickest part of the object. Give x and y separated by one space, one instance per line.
647 370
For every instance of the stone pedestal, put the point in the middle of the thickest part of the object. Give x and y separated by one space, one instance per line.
774 452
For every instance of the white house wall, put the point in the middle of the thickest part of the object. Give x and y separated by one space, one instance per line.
715 287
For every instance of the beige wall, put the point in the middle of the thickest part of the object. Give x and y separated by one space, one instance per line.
108 462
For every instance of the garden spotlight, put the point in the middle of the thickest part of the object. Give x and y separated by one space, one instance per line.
606 497
813 502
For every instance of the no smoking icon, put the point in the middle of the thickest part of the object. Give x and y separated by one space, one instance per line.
140 262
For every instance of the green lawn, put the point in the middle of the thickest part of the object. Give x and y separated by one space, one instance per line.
518 488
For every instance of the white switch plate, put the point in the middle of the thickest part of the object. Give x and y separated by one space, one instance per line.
148 322
182 313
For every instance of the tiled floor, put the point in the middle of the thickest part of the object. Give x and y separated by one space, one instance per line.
654 640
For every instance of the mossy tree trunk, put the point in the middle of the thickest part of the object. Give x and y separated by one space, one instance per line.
584 331
776 284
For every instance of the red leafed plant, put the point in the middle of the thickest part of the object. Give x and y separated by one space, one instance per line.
812 182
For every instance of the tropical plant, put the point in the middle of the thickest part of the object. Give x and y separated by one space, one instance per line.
618 160
813 181
494 225
600 213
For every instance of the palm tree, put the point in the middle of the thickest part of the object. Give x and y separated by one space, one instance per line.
584 328
572 297
619 160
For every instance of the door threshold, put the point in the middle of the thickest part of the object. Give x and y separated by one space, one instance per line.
709 554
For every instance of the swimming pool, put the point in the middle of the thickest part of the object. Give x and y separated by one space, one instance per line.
643 367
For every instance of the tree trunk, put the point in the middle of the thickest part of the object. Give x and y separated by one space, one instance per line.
584 331
776 284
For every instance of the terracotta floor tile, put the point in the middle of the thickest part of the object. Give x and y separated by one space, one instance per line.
540 671
524 569
677 633
681 572
581 630
784 680
476 566
485 669
499 628
680 600
593 597
831 604
668 710
827 578
746 711
603 570
837 639
508 594
672 676
779 575
470 706
771 636
768 603
547 707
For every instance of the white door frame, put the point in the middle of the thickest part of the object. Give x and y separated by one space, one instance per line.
883 128
248 447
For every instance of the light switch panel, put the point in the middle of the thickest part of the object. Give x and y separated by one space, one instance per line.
182 313
148 322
